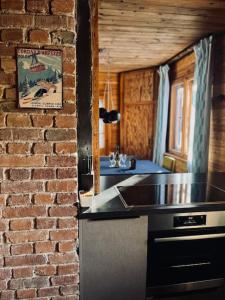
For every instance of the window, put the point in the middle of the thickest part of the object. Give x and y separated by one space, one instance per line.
181 95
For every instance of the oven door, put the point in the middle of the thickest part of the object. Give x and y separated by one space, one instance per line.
187 260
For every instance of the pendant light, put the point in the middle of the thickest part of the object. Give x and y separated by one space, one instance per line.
111 116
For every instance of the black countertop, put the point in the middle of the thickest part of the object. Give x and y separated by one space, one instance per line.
159 193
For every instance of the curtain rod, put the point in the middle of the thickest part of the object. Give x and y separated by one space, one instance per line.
189 49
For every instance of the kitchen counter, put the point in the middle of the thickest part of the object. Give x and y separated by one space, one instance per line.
110 205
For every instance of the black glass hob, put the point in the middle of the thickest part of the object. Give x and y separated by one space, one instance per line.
170 194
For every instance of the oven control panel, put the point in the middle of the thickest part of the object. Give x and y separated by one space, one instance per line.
192 220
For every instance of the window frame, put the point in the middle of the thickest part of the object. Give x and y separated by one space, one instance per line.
187 83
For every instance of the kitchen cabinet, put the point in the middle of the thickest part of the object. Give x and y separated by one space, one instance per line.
113 258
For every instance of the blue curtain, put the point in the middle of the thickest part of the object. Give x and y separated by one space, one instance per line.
201 108
162 115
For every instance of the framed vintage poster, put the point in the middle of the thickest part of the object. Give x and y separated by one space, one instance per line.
39 78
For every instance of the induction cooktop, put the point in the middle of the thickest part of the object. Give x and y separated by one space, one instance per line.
170 194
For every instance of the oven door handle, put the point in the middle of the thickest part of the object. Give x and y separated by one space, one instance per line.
189 237
200 264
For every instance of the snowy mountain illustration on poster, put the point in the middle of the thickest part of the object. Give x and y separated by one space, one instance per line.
39 78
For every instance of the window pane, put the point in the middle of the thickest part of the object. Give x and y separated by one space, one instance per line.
178 117
188 112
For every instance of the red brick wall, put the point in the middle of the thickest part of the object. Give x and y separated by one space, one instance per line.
38 226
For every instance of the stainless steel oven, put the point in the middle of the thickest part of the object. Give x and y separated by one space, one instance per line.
186 252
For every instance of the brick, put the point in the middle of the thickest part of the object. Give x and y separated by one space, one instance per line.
58 7
38 6
68 81
69 69
64 280
7 78
38 36
66 173
11 35
23 272
63 37
4 250
27 134
60 161
3 225
45 270
62 258
17 5
60 134
69 94
19 174
5 135
43 173
51 22
61 186
18 148
65 148
42 121
25 294
19 21
8 65
21 161
63 211
43 199
1 175
68 108
7 50
7 295
44 247
15 200
45 223
72 297
69 54
17 237
2 120
2 149
21 187
36 259
21 212
5 273
42 148
66 247
10 93
2 200
21 249
47 292
36 282
15 120
67 269
21 224
66 198
3 285
65 122
69 289
61 235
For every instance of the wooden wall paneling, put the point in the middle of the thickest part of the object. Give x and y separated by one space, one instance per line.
95 95
137 113
217 128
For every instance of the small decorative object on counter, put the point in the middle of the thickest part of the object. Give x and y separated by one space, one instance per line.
132 164
117 157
